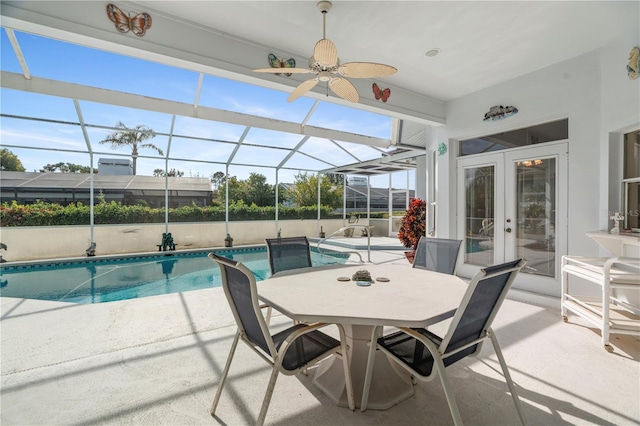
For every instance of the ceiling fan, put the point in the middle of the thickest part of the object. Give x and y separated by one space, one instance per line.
326 66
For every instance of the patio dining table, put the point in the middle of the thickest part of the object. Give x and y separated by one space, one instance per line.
410 298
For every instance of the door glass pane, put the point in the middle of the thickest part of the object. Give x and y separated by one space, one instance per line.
536 215
480 215
542 133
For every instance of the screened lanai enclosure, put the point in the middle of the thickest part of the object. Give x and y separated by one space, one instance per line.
61 99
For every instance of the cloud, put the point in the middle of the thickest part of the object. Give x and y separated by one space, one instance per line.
30 138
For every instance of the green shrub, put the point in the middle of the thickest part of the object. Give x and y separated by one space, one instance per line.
52 214
43 214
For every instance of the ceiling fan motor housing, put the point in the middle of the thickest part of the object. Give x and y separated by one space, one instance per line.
318 67
324 6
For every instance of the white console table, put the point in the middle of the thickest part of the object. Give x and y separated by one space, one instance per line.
623 244
608 312
617 309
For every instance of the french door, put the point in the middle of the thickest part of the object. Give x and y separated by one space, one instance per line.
513 204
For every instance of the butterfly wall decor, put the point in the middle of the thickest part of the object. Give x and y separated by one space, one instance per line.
500 112
381 95
276 62
138 24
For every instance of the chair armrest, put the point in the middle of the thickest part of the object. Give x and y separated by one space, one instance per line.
308 328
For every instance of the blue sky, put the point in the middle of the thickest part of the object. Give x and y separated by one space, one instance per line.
55 60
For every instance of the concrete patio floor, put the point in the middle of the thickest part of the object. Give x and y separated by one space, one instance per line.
157 361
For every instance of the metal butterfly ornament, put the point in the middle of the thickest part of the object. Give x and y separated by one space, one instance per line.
137 24
381 95
276 62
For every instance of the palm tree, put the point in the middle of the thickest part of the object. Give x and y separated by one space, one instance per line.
133 138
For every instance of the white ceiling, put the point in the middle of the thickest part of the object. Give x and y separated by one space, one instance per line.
483 42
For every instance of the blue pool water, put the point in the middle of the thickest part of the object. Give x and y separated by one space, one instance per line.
109 279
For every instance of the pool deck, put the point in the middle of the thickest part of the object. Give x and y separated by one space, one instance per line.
157 361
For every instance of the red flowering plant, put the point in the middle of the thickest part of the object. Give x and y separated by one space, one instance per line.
414 224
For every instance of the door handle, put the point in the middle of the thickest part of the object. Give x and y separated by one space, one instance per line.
508 230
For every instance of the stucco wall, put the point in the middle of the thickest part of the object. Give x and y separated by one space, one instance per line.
47 242
593 92
620 111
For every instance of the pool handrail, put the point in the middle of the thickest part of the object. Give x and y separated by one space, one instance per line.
365 228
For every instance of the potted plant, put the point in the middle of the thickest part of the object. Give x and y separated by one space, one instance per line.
413 226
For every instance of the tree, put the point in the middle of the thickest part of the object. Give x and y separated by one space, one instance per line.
10 162
133 138
171 173
67 168
254 190
335 178
305 191
237 190
259 191
217 179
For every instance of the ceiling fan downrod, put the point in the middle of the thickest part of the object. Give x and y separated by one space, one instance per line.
324 7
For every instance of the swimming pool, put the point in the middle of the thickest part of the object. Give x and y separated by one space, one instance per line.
110 279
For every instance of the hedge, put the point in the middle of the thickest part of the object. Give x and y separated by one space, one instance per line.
51 214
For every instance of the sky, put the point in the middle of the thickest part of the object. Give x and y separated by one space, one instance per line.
56 60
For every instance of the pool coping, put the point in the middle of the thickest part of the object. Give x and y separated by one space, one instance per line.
108 257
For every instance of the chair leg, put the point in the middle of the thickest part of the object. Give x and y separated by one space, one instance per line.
369 372
448 392
606 300
268 318
346 365
225 372
267 396
507 377
564 285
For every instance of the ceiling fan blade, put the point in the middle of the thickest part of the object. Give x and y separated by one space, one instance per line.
326 52
366 70
343 88
302 88
285 70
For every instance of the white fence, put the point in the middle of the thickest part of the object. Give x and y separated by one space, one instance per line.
50 242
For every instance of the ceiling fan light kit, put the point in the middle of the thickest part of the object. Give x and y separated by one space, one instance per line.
326 66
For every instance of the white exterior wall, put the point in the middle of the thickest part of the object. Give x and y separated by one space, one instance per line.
593 91
620 113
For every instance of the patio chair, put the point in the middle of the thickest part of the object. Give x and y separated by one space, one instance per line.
288 351
288 253
285 254
424 354
437 254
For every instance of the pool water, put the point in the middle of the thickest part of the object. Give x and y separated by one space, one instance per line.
106 280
